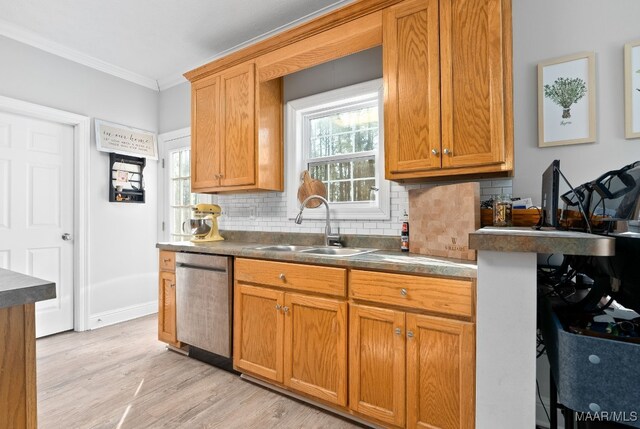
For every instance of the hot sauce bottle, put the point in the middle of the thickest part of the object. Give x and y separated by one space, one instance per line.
404 233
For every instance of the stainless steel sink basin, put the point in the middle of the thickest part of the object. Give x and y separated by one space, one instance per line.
337 251
283 248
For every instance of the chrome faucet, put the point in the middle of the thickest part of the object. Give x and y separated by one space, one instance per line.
329 238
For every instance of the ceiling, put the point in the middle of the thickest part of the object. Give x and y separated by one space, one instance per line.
151 42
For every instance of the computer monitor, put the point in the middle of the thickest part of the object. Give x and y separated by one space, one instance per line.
551 194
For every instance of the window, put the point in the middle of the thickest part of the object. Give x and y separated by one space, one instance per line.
176 197
337 136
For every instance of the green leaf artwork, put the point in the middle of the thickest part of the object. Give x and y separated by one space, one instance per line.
565 92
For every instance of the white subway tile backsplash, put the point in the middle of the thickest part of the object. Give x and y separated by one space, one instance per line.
268 211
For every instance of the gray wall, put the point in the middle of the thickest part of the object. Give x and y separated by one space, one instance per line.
122 254
547 29
174 108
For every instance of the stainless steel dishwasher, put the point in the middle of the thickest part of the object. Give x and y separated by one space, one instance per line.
204 296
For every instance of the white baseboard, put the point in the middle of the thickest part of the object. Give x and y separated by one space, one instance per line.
112 317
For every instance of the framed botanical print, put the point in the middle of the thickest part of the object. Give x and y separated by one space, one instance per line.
567 100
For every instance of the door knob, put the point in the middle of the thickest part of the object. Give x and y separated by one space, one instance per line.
66 236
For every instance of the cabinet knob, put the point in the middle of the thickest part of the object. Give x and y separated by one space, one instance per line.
447 152
166 260
435 152
410 334
398 331
221 175
403 292
282 277
285 309
278 307
173 285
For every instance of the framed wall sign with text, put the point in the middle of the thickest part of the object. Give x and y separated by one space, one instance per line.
632 89
123 140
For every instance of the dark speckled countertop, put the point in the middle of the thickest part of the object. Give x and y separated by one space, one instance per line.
520 239
19 289
384 260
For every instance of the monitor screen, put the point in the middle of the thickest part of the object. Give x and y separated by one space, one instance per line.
550 194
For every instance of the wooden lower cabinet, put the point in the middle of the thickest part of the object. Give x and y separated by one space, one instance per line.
433 356
440 373
167 329
315 347
294 339
377 363
258 331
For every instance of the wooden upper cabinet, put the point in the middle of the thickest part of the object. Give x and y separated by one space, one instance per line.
236 137
412 77
238 126
205 133
447 67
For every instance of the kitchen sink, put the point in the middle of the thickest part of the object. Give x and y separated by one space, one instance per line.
337 251
283 248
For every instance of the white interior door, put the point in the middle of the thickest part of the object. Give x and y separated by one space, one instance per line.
36 211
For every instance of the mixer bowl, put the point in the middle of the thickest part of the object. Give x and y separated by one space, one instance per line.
200 226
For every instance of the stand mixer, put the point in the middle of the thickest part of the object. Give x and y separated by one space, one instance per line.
204 224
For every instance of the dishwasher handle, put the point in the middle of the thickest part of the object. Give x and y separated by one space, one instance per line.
203 262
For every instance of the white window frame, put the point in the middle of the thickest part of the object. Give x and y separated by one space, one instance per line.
301 110
169 142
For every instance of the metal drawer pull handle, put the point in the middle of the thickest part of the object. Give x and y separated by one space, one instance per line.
398 331
166 260
410 334
278 307
285 309
282 276
403 292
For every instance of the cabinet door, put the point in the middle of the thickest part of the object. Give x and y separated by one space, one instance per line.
472 76
377 363
412 74
205 133
238 126
315 352
440 373
258 331
167 308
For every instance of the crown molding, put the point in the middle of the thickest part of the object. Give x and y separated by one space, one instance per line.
174 80
30 38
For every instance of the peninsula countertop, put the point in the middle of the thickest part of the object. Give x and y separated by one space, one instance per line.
384 260
19 289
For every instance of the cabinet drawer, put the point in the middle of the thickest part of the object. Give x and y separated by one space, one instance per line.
167 260
447 296
308 278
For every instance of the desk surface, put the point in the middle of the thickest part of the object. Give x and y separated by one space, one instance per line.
523 239
19 289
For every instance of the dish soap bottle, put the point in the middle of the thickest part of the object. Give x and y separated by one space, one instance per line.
404 233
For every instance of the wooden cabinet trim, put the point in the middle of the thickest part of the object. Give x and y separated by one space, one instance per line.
318 25
446 296
351 37
287 275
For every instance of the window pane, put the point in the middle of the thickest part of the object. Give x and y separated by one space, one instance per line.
186 192
174 164
343 122
177 221
364 168
184 163
318 171
362 190
174 196
341 144
340 170
339 191
320 126
366 140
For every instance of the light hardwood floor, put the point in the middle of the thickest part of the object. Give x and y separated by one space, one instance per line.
121 377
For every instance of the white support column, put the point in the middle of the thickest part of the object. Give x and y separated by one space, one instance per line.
506 340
